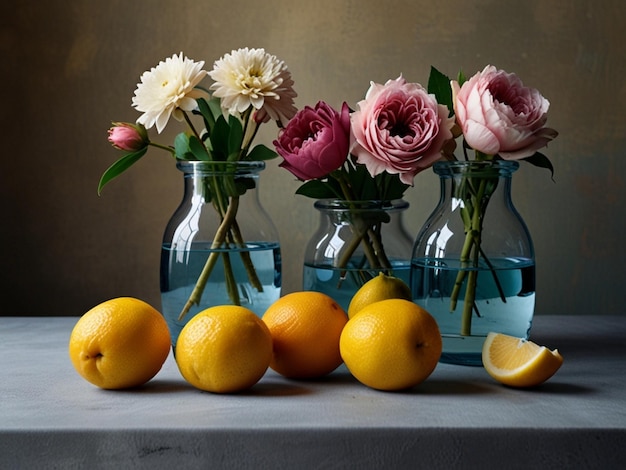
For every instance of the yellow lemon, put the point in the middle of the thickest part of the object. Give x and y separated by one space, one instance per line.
119 343
224 349
517 362
381 287
305 328
391 345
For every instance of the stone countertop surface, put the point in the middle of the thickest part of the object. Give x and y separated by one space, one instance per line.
458 418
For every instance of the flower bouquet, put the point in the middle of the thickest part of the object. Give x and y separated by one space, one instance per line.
362 158
499 120
250 87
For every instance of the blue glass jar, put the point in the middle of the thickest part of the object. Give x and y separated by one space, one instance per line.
473 262
356 240
233 263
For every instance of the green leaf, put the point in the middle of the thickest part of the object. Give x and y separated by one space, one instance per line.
119 167
215 107
233 157
229 185
439 85
540 160
181 147
365 187
375 217
220 139
243 184
393 187
198 149
461 78
260 153
235 137
317 189
207 114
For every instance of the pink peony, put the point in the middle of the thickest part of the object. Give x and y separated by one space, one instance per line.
129 137
399 128
499 115
315 142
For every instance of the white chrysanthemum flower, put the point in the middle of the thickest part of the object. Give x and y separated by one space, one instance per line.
253 78
167 90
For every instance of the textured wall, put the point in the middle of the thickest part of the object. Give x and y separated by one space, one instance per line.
69 68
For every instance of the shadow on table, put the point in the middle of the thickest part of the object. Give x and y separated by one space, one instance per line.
264 388
278 389
278 386
459 387
560 388
157 386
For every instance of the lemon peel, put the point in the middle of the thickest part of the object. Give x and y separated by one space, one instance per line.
381 287
518 362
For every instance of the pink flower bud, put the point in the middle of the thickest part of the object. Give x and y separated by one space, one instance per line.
128 137
261 116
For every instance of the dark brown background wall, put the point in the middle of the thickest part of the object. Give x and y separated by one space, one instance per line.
69 68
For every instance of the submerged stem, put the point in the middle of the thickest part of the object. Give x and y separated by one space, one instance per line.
364 234
470 254
218 240
253 277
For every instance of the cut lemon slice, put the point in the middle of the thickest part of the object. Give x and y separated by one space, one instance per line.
517 362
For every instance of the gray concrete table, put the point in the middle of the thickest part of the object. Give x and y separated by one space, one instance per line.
459 418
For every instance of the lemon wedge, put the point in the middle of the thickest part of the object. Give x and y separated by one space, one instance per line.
518 362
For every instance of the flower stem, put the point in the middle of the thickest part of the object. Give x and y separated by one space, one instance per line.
191 126
246 145
494 274
245 257
470 252
162 147
379 249
218 240
231 283
372 247
464 262
350 248
234 234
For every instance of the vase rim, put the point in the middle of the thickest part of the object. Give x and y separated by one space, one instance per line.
219 167
448 168
363 205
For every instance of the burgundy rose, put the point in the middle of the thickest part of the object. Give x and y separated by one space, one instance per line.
315 142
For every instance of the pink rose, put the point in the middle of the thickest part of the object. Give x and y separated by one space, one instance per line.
315 142
399 128
129 137
499 115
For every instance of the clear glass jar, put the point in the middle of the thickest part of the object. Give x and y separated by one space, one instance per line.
473 262
354 242
239 262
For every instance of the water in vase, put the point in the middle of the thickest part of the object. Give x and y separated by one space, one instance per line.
342 284
507 308
181 268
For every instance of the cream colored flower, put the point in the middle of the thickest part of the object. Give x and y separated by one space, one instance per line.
253 78
167 90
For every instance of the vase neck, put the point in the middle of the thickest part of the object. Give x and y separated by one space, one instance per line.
490 168
472 182
219 181
341 205
192 168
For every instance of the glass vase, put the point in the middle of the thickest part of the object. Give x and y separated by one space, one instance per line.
220 246
473 263
354 242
